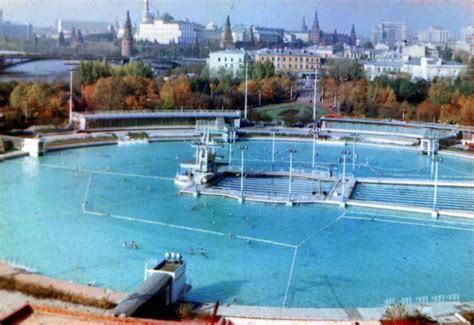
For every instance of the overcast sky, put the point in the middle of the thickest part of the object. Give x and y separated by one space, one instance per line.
288 14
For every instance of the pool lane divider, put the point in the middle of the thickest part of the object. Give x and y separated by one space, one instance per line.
407 223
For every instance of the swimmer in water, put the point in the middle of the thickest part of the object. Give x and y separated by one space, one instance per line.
203 253
125 244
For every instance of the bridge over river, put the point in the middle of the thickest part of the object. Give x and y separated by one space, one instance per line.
11 59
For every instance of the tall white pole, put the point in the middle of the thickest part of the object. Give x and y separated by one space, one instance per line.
435 186
353 154
273 151
70 96
313 165
343 178
230 153
289 182
314 95
246 90
242 174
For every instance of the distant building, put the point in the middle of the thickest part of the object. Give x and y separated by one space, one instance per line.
165 31
390 33
227 41
268 35
299 62
418 68
415 51
466 32
317 36
15 30
304 27
324 52
127 38
208 33
433 35
428 68
87 27
230 61
242 34
314 32
356 53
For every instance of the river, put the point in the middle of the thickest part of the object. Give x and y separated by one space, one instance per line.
44 70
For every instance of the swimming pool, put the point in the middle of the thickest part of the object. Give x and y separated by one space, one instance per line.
68 214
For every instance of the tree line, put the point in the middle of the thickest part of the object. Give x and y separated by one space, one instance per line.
441 100
101 86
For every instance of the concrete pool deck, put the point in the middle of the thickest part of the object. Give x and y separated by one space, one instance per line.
238 314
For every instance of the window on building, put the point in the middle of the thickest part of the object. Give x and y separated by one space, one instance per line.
225 59
219 59
231 59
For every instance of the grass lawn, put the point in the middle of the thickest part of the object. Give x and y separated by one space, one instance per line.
278 111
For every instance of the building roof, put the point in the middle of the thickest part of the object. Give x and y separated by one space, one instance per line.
229 51
286 52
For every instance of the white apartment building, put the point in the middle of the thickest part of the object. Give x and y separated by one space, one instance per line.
433 35
230 61
418 68
167 31
428 69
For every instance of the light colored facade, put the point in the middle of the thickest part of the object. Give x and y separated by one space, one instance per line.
418 68
380 68
241 33
390 33
428 69
166 32
466 32
415 51
208 33
291 61
356 53
433 35
230 61
321 51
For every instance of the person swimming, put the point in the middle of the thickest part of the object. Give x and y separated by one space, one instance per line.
203 253
134 245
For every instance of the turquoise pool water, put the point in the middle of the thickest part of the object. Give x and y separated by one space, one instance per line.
68 213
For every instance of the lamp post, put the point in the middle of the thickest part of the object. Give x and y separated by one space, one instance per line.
344 153
291 152
242 153
354 135
273 148
246 90
71 66
314 95
313 164
437 160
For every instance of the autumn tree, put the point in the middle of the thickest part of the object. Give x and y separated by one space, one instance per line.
428 111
